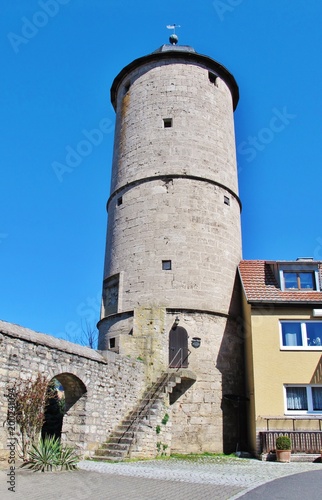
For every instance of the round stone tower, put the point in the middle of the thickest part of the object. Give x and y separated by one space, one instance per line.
173 239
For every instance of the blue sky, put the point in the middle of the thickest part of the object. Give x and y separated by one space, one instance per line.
59 58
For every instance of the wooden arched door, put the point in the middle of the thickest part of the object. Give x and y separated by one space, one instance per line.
178 348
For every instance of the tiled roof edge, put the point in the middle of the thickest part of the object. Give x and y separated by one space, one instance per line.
242 283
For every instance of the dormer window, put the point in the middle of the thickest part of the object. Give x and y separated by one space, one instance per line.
299 280
298 276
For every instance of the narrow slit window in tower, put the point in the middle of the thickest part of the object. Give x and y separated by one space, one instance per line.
127 87
112 343
212 78
167 122
226 200
119 201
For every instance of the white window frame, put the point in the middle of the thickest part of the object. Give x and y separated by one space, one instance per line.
309 396
295 268
304 346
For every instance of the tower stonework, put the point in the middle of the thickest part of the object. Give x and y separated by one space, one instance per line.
173 239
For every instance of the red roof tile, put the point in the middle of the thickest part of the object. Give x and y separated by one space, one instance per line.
260 285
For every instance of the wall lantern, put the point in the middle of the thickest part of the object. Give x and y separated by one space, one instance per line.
176 322
196 341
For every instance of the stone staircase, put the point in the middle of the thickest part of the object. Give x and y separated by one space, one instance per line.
119 444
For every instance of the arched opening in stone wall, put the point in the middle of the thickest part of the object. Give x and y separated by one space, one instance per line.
71 398
54 411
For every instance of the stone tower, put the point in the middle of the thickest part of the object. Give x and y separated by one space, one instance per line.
173 239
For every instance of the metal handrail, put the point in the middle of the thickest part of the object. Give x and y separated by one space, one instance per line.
182 359
151 396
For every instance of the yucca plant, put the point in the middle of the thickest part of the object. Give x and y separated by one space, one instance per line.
68 458
49 455
44 456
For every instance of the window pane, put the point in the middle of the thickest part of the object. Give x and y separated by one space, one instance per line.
296 398
317 398
314 333
290 280
291 333
306 280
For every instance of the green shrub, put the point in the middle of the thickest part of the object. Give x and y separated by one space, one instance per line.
283 443
49 454
158 429
162 449
165 419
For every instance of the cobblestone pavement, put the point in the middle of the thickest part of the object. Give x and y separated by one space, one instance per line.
198 479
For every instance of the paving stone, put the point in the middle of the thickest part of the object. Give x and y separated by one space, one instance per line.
202 479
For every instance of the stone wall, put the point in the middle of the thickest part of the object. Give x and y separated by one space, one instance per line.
182 220
154 435
203 420
203 414
100 388
201 140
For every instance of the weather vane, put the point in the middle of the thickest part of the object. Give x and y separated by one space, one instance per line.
173 39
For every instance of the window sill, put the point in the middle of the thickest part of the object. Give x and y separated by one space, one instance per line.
301 348
308 414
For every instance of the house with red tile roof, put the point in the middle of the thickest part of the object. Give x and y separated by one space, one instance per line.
282 310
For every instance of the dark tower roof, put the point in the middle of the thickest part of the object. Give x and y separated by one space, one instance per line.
185 52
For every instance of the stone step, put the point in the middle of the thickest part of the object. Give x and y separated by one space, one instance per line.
114 453
126 428
118 444
139 412
126 431
148 405
120 431
116 440
103 458
130 422
115 446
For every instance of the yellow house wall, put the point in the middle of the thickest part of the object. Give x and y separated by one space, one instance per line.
272 366
268 368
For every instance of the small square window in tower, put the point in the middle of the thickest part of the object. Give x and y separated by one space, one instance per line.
167 122
166 265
